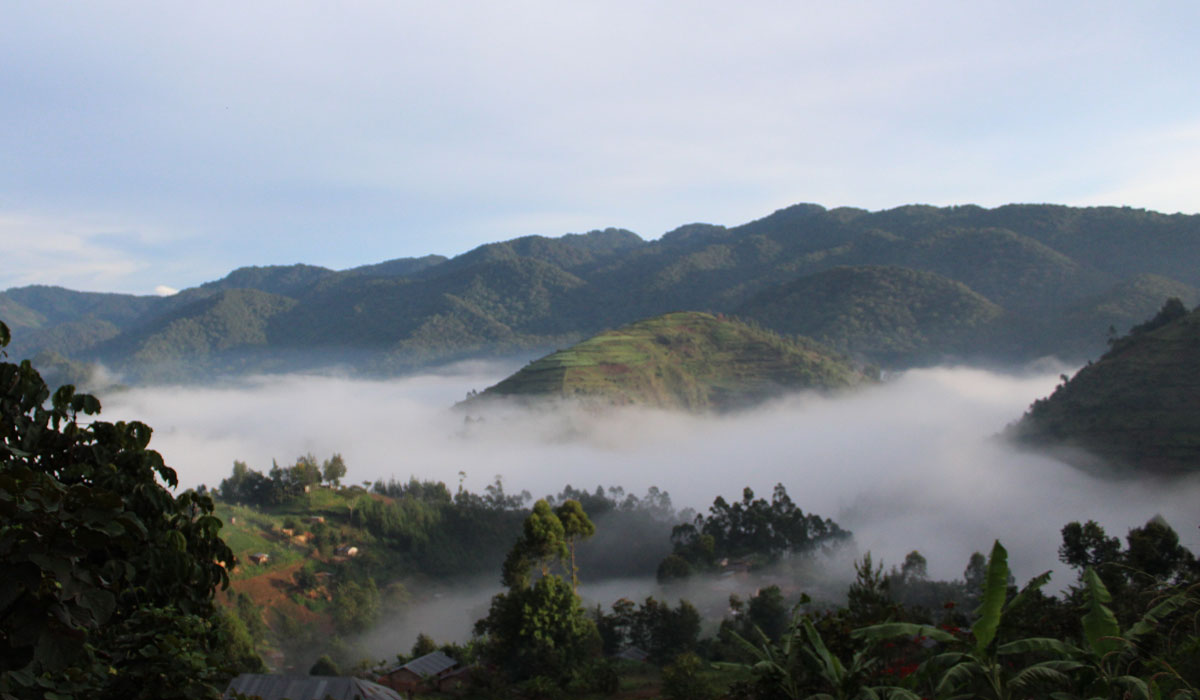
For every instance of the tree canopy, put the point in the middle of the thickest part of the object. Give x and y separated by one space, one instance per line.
108 578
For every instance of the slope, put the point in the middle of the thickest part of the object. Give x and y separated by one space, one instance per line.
890 315
688 360
1138 407
214 333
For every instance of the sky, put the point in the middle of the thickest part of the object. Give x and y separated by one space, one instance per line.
155 146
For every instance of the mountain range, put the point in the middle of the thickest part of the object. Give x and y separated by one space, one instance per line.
910 286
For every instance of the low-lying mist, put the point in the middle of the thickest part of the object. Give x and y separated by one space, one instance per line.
911 464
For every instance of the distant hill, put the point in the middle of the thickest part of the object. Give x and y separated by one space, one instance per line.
1138 407
896 316
214 333
689 360
1010 284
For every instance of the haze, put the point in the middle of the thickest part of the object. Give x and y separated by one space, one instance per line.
912 464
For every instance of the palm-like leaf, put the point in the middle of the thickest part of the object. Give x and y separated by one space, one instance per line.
1100 627
995 588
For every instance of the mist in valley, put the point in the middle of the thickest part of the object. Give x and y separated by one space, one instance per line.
912 464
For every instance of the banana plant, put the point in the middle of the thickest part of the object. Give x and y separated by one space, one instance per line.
1109 656
963 673
803 650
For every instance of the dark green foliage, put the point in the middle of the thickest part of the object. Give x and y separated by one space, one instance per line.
1087 546
654 626
424 645
684 679
1135 410
108 578
538 629
895 316
673 568
226 330
756 529
324 666
355 605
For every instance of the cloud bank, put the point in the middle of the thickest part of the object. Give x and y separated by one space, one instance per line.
913 464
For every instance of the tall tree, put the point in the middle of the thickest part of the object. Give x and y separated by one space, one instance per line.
576 526
538 628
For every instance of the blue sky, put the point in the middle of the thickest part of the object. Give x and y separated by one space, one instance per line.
164 144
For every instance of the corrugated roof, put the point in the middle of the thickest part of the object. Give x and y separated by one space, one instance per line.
428 665
273 687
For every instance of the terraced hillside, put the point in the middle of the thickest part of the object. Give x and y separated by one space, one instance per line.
690 360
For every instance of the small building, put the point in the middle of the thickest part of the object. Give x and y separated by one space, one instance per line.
346 550
455 682
259 558
315 519
275 687
420 673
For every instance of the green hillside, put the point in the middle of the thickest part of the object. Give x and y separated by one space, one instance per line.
212 333
1060 276
1138 407
690 360
896 316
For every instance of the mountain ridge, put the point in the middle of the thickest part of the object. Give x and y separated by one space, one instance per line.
1042 265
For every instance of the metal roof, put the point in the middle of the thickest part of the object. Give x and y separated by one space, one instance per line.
273 687
428 665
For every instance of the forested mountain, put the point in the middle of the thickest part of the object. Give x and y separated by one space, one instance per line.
1007 284
687 359
1137 408
895 315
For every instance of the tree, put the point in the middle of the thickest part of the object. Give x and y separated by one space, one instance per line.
576 526
333 469
1087 546
324 666
108 578
424 645
538 629
542 542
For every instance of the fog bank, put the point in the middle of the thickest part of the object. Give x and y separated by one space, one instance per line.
912 464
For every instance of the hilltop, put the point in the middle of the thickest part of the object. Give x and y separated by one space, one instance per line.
1138 407
689 360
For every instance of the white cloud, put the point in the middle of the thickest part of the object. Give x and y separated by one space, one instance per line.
909 465
163 290
71 253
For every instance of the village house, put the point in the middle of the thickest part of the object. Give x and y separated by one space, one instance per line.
275 687
425 672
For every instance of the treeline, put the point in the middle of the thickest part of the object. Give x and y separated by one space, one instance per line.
754 530
281 484
443 534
